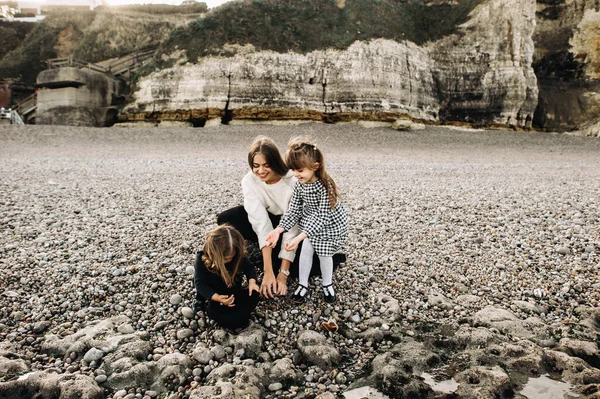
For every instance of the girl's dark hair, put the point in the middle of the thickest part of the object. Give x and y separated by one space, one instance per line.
266 147
221 242
303 153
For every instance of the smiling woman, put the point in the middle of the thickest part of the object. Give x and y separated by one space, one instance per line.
209 3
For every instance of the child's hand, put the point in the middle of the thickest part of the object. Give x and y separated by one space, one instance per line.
290 246
252 286
226 300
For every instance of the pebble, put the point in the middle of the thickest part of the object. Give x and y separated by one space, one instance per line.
176 299
276 386
187 312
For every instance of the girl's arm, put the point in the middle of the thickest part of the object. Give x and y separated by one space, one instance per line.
292 245
201 274
294 212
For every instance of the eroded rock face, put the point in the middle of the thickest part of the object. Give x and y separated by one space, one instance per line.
482 74
567 64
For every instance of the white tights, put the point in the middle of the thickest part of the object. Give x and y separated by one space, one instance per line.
305 264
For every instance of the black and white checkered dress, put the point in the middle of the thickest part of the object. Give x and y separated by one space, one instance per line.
327 228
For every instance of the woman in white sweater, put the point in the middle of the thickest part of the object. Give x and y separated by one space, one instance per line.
267 191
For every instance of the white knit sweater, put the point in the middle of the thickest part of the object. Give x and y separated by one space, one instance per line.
260 198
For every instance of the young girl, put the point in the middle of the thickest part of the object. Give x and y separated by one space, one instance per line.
218 279
315 208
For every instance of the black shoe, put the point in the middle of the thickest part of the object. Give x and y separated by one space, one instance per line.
338 259
328 295
297 297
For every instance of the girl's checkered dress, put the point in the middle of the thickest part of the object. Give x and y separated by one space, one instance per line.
309 208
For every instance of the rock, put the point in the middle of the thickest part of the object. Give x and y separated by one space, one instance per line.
202 354
185 333
283 370
40 326
93 355
276 386
483 382
218 351
440 301
187 312
250 340
49 384
176 299
585 350
315 350
125 328
404 125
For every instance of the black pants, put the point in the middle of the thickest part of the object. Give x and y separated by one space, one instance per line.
238 218
237 316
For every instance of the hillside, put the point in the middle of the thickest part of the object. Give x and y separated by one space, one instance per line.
308 25
90 36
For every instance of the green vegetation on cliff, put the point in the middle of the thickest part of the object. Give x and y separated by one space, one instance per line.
90 36
307 25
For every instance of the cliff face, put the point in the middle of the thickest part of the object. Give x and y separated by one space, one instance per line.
482 74
567 64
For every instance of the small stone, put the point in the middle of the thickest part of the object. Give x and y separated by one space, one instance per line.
100 378
187 312
93 355
276 386
184 333
176 299
190 270
563 250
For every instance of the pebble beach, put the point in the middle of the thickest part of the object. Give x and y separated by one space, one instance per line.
102 224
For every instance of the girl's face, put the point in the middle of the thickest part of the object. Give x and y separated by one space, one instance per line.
306 175
228 258
262 170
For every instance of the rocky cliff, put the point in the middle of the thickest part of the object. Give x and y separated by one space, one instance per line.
482 74
567 64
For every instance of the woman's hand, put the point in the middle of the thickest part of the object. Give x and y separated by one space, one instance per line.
226 300
282 288
252 286
268 287
273 237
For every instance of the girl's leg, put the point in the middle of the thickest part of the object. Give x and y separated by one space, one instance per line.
306 258
237 316
327 273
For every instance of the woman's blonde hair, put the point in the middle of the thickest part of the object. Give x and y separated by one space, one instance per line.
221 242
303 153
266 147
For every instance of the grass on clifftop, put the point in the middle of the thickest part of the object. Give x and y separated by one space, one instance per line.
308 25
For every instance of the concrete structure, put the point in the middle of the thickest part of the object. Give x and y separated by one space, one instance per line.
77 97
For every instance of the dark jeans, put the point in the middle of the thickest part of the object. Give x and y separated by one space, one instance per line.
238 218
237 316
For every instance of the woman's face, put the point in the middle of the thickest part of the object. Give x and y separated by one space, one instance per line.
262 169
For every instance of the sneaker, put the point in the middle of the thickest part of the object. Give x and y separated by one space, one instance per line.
300 295
329 294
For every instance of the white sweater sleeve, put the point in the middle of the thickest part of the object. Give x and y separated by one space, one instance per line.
257 213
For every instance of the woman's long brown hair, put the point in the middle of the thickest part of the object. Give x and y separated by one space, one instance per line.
221 242
303 153
266 147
